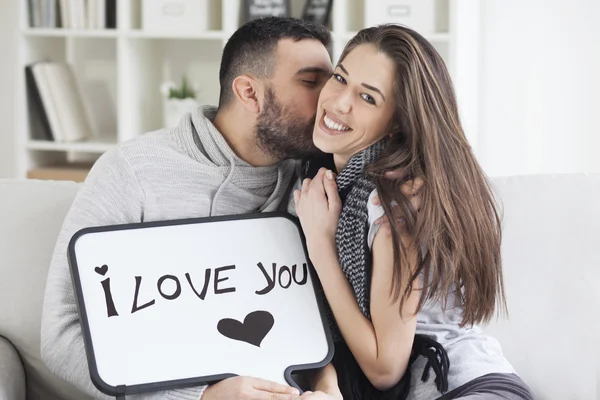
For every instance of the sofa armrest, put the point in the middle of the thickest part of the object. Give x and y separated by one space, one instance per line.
12 374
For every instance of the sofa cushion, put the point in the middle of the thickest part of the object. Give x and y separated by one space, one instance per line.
31 215
551 261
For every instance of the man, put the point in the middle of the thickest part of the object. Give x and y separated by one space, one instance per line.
232 160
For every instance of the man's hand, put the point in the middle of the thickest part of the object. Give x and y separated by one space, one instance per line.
411 189
246 388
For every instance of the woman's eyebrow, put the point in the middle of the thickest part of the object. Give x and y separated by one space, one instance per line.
373 88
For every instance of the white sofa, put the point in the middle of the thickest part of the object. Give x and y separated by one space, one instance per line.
551 253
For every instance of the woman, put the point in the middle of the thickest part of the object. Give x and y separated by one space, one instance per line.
406 296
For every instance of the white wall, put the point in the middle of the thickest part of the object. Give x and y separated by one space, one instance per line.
8 54
540 82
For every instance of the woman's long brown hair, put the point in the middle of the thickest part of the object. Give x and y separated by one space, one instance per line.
458 232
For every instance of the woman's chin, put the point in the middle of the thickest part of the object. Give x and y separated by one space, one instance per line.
325 143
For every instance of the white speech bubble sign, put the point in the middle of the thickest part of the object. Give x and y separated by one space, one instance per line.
177 303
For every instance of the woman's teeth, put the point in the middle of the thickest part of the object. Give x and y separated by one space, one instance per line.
334 125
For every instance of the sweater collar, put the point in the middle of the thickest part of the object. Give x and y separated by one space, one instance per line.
198 137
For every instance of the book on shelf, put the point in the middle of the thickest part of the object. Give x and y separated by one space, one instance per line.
73 14
57 109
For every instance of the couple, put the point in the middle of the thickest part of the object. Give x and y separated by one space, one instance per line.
403 297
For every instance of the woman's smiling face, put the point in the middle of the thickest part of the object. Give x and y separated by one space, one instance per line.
356 105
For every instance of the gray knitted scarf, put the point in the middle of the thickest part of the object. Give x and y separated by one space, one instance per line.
355 188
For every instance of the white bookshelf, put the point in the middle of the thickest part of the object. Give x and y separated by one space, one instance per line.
69 33
120 70
97 146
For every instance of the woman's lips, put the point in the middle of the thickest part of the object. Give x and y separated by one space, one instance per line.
329 131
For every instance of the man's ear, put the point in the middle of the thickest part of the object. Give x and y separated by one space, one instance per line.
248 92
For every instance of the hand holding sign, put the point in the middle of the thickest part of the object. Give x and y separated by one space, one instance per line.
246 388
178 302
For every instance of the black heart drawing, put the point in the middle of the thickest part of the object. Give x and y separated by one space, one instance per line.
253 330
101 270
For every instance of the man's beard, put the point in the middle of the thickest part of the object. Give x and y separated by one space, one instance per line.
282 135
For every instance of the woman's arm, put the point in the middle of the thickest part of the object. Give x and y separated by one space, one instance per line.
383 345
325 381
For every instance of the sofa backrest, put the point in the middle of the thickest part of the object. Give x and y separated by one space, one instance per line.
31 215
551 258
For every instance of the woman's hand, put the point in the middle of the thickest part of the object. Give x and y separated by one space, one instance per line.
318 206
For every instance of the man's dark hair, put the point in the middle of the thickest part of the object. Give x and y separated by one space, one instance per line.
250 49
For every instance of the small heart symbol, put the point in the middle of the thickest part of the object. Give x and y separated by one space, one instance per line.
253 330
101 270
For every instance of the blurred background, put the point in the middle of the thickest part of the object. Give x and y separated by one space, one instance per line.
79 76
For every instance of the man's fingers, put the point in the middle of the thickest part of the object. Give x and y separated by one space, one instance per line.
412 188
396 174
418 183
274 387
376 200
385 220
416 202
262 395
407 188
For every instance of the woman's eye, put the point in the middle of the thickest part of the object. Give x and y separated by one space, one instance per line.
310 83
368 98
339 78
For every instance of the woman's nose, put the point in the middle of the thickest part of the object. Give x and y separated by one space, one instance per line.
343 102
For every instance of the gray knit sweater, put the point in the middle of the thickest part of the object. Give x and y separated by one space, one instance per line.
185 172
